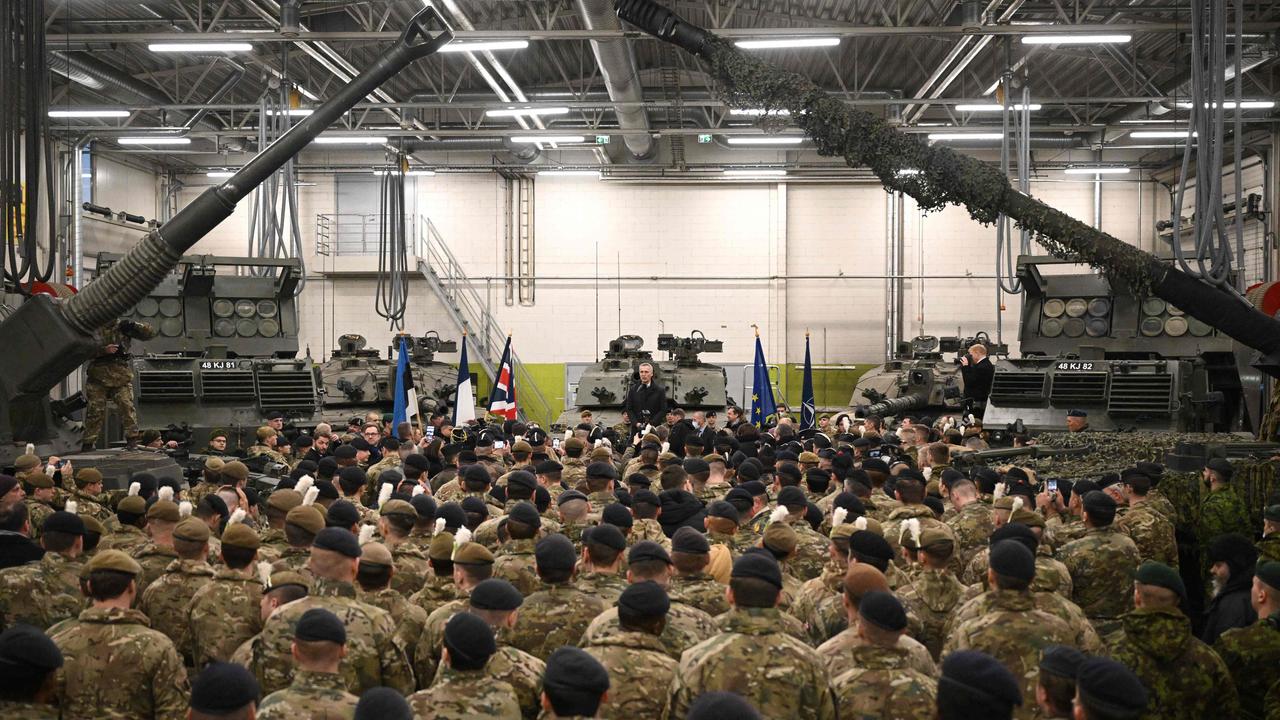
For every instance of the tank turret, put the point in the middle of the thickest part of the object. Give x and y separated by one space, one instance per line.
358 379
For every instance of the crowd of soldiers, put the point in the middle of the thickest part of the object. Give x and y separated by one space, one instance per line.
671 571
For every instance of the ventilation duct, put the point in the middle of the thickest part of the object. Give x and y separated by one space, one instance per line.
618 68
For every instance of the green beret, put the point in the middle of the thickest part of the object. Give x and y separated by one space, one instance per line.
241 536
36 479
375 553
192 529
282 578
441 547
307 517
398 507
25 463
1269 573
1272 513
115 560
472 553
132 504
88 476
164 510
1160 575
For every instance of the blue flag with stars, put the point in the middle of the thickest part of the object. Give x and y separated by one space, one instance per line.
763 408
807 405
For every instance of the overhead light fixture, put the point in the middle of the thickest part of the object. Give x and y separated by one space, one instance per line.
414 173
88 113
1148 121
757 112
292 112
522 112
1160 134
200 47
525 139
996 107
487 45
799 42
168 140
569 173
1097 170
907 172
351 140
219 174
1055 39
86 176
1231 104
766 140
966 136
763 172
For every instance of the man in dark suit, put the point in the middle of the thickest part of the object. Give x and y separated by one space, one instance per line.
978 373
646 400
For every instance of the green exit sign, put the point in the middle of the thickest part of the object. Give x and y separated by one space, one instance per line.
602 139
704 139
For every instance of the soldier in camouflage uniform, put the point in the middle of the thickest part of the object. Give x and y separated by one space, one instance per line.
439 588
1013 631
167 601
39 500
1269 545
29 661
46 592
301 526
131 517
1252 654
558 614
157 554
1222 510
376 580
811 548
972 523
573 468
1051 574
514 561
395 523
271 534
1102 564
932 594
1185 679
1149 529
780 675
372 658
598 576
839 652
114 665
318 690
472 564
463 689
882 682
691 585
266 445
88 488
639 669
226 612
109 378
830 584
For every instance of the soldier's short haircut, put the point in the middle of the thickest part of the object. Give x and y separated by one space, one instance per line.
689 563
57 542
647 569
442 567
646 511
190 549
1154 596
298 536
107 584
237 558
650 624
373 577
939 453
601 554
1100 517
317 652
600 484
551 575
1139 484
910 489
287 593
400 525
1060 691
1006 582
753 592
964 487
14 518
476 573
520 531
574 509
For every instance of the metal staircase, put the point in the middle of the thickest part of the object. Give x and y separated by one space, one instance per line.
469 312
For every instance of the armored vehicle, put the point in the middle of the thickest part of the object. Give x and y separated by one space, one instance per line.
691 384
356 379
918 378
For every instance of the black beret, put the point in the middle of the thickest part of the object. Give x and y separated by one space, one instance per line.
1268 572
522 478
883 610
467 637
1013 559
361 444
383 703
979 683
1096 501
639 480
1150 469
424 505
1084 487
453 514
875 465
760 566
497 492
792 496
601 470
935 504
341 514
722 706
320 625
328 490
1077 413
646 497
476 474
64 522
755 487
1110 688
344 452
1108 480
606 534
27 653
338 540
222 688
568 495
474 505
866 544
1061 660
465 456
696 466
526 513
688 540
7 483
1017 475
327 465
1221 466
749 472
723 509
1015 531
647 550
645 599
618 515
496 594
555 552
546 467
304 441
790 471
417 461
571 669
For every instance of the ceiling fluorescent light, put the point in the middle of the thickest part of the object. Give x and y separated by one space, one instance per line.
487 45
200 47
966 136
351 140
522 112
1056 39
1160 134
995 107
799 42
525 139
87 113
1148 121
757 112
153 141
413 173
766 140
1099 170
907 172
219 174
1244 104
292 112
569 173
755 173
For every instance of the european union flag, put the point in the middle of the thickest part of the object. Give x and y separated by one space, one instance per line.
807 405
763 408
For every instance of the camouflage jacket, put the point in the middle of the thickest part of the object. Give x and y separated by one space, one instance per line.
1051 574
1014 632
573 471
1062 529
1102 565
372 658
931 597
154 559
781 676
37 513
412 569
459 695
113 370
811 554
1185 679
295 559
521 671
224 613
1086 636
1152 532
127 538
311 695
90 505
410 619
167 602
839 654
425 652
597 500
1222 511
260 449
686 626
1269 548
437 591
1161 504
514 563
41 593
972 525
1252 656
640 675
606 586
554 616
882 684
27 711
116 667
700 591
648 529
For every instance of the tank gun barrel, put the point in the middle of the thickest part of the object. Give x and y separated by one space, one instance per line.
894 406
943 176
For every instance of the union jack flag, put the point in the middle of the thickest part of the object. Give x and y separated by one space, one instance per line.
502 399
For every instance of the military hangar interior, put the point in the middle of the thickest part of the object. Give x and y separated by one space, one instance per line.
561 177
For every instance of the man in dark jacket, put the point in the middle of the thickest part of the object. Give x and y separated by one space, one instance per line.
680 508
978 373
1232 558
16 547
646 400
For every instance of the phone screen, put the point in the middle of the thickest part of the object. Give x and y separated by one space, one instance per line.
431 430
1051 486
498 444
556 443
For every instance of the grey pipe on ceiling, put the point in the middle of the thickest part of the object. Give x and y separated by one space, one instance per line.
618 68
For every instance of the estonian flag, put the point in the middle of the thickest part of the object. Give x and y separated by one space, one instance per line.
763 409
807 405
464 400
405 403
502 401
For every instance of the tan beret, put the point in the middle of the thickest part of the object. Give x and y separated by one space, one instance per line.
781 537
265 432
936 534
375 553
1030 518
192 529
810 458
843 530
25 463
575 443
520 446
284 500
668 457
241 536
398 507
115 560
214 463
307 517
602 453
36 479
132 504
1004 503
93 525
472 553
87 476
235 470
441 547
282 578
164 510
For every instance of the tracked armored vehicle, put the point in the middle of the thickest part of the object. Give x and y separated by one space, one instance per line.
919 378
357 379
